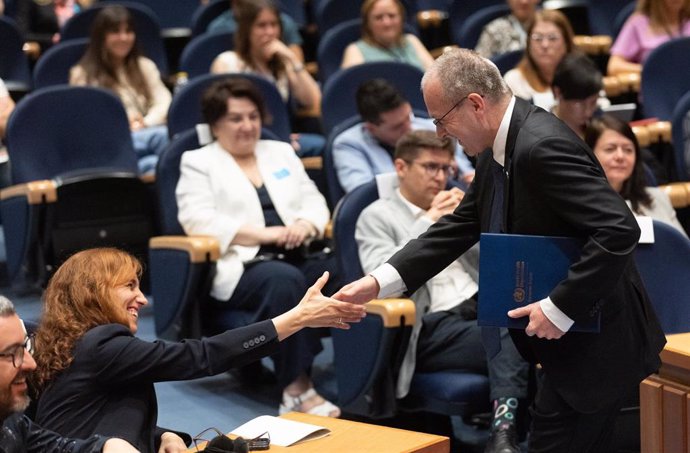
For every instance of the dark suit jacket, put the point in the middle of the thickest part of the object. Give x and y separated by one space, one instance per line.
556 187
108 388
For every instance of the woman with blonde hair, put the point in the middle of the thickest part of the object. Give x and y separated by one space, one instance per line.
653 23
94 376
549 39
383 37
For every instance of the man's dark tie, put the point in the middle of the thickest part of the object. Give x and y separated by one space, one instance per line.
491 336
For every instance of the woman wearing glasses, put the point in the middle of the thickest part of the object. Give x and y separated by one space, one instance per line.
549 39
95 376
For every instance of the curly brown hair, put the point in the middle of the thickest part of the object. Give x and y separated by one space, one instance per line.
78 298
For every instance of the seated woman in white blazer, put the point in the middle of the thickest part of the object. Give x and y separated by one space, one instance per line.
255 197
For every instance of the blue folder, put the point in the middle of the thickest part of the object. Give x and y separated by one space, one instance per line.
516 270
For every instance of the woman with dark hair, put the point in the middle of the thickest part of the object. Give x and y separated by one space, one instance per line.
259 50
616 147
95 376
383 37
255 197
549 39
112 61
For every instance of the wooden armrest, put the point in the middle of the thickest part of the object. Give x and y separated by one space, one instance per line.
660 131
309 112
431 18
393 311
312 163
199 248
36 192
642 135
438 51
328 230
312 68
612 86
630 82
32 49
678 193
593 45
148 178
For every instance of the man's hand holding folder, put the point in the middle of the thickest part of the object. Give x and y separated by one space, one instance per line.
538 324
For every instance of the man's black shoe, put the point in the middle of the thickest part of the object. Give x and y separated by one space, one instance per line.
503 441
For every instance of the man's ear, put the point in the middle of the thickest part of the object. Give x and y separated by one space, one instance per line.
400 166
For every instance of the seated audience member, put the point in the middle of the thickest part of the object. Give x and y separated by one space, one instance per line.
226 23
95 376
616 147
507 33
653 23
577 84
20 434
259 50
549 39
445 335
383 37
255 197
41 20
112 61
366 149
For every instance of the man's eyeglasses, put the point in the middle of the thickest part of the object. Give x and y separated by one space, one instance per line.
550 37
17 353
437 122
432 169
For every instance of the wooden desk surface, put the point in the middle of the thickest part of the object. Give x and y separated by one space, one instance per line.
677 351
348 436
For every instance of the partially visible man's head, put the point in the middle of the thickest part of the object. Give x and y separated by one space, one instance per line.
576 86
423 162
15 361
462 91
385 112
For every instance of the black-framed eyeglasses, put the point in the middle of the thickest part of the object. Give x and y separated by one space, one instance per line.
432 169
17 353
437 122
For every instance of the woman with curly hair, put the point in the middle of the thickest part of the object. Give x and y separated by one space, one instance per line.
94 376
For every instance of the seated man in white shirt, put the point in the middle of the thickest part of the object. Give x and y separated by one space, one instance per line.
445 335
366 149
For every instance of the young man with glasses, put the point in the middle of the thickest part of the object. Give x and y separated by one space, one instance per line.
539 178
445 335
19 434
366 149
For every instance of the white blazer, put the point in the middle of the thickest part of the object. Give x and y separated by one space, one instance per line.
215 198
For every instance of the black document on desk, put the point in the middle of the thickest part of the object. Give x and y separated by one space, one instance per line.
517 270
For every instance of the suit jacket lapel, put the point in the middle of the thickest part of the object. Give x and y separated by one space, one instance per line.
520 112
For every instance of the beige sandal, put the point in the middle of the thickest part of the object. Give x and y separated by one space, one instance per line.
294 403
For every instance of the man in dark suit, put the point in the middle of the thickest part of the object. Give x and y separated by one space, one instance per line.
552 186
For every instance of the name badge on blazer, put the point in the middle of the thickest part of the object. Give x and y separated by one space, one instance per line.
282 173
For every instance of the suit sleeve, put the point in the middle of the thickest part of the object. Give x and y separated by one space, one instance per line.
573 186
118 358
33 439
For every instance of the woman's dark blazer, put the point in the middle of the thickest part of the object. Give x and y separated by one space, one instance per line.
108 388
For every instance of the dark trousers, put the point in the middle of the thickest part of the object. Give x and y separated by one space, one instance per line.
271 288
558 428
449 342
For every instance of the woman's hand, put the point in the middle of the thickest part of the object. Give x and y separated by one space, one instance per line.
317 310
116 445
172 443
136 122
278 49
295 234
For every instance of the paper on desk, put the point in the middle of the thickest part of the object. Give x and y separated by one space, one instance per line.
283 432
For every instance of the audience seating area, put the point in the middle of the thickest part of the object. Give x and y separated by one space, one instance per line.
74 180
